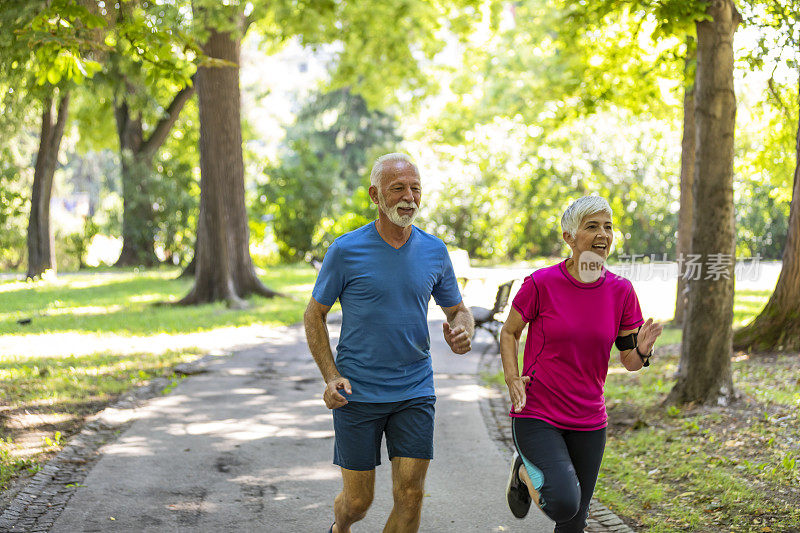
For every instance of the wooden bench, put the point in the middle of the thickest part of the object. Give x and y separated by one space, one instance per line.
486 318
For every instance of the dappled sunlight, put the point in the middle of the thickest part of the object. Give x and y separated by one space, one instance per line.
232 429
314 402
146 298
318 505
287 336
29 420
55 310
278 417
322 472
249 429
64 344
11 286
306 434
173 401
240 371
319 471
131 446
465 393
250 392
262 401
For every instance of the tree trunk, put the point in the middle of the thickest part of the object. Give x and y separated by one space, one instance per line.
686 212
41 250
777 327
136 154
704 374
223 267
137 213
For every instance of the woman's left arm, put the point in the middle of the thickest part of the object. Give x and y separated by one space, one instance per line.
647 336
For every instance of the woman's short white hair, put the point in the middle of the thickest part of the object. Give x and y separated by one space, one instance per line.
376 175
586 205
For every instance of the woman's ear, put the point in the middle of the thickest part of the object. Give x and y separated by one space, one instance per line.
568 238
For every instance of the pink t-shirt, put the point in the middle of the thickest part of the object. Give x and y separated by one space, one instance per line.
572 328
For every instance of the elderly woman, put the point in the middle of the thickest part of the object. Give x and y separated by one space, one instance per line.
575 312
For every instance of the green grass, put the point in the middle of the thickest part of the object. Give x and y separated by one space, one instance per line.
123 303
705 469
65 381
747 305
44 400
47 398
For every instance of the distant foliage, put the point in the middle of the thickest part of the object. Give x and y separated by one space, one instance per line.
318 190
14 194
176 191
511 207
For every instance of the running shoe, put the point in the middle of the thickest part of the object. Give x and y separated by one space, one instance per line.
517 495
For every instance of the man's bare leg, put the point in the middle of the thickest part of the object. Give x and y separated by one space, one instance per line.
352 503
408 488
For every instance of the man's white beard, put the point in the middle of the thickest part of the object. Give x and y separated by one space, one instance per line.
396 218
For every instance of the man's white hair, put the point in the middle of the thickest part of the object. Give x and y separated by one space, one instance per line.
586 205
376 175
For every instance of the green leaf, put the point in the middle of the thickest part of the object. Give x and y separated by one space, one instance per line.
53 76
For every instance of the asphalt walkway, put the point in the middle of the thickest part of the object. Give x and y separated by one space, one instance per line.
246 446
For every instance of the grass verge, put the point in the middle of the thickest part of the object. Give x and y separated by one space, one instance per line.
122 303
46 399
703 468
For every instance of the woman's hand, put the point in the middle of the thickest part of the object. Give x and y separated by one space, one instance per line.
516 390
647 336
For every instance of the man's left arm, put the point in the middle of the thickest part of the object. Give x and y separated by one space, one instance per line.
459 328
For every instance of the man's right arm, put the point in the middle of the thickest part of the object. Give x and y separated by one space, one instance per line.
319 343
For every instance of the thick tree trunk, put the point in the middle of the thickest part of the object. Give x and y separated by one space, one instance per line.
686 212
704 375
136 154
41 251
223 267
777 327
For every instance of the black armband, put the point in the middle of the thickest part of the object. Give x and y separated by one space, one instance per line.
626 342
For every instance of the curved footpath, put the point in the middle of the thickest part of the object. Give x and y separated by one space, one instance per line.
244 444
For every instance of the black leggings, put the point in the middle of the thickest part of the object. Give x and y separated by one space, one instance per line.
563 464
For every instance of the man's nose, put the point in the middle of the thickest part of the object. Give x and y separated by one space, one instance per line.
408 195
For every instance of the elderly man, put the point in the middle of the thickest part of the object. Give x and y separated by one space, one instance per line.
381 382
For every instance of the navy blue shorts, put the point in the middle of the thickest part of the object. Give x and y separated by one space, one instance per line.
359 428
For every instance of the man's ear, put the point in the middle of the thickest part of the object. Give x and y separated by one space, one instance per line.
373 194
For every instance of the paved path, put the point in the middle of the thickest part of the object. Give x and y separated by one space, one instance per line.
247 445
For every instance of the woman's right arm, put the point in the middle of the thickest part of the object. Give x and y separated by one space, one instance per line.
509 348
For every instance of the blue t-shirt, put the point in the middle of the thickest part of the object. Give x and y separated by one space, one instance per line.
384 346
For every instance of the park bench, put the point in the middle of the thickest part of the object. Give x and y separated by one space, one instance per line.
487 318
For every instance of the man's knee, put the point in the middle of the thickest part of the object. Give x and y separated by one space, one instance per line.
357 505
409 498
